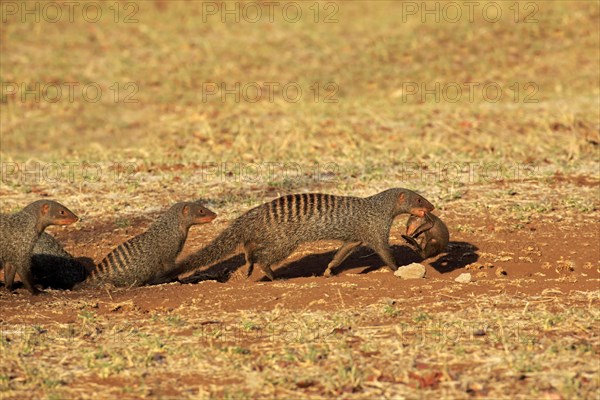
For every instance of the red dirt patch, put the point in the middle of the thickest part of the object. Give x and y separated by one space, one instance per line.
534 260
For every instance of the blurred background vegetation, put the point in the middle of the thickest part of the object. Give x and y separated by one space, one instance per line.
366 56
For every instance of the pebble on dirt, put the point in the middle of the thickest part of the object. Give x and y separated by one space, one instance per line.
411 271
464 278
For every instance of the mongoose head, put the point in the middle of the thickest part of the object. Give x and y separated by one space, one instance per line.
413 223
196 213
49 212
417 225
417 205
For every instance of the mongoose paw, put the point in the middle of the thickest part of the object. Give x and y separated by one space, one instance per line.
411 240
36 292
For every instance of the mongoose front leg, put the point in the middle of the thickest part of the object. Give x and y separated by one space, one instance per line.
386 255
267 271
343 253
250 266
27 278
166 275
9 275
24 271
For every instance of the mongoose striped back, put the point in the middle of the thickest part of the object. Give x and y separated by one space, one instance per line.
121 265
149 258
270 232
307 206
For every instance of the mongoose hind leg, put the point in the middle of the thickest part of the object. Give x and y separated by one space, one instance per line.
243 273
432 248
265 257
26 277
165 276
343 253
249 255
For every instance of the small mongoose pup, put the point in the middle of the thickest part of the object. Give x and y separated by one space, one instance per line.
52 266
271 231
20 231
435 235
149 258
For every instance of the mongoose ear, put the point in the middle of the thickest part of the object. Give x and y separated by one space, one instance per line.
45 209
185 211
401 198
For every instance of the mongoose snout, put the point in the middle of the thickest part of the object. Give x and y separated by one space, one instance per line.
419 212
203 216
420 206
57 213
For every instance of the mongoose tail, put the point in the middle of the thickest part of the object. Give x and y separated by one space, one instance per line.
435 232
272 231
149 258
21 230
224 244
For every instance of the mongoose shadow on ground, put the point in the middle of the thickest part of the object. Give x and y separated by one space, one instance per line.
457 255
54 282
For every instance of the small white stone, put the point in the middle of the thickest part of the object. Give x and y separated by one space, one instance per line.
411 271
464 278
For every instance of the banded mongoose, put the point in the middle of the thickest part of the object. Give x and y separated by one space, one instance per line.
435 235
270 232
52 266
20 231
149 258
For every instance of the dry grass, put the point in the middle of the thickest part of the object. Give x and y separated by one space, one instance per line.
493 346
170 141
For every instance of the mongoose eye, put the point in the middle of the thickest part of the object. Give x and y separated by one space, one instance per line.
62 212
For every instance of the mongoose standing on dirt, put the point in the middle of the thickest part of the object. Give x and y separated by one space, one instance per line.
270 232
149 258
52 266
19 233
435 235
